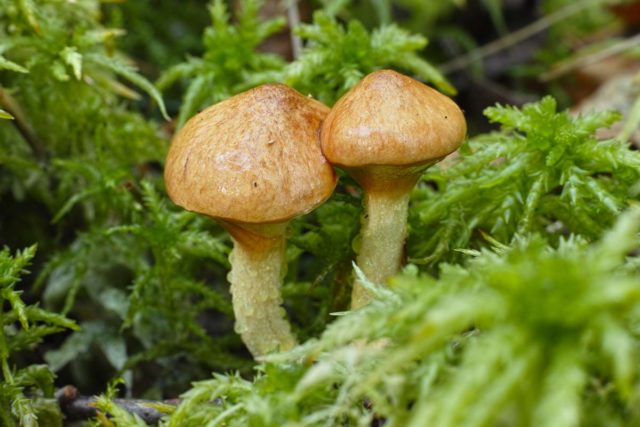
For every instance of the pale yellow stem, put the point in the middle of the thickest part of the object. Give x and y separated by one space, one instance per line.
257 270
383 233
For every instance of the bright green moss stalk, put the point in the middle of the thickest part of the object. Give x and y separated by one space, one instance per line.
22 327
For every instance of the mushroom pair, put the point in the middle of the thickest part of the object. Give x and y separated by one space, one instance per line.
254 161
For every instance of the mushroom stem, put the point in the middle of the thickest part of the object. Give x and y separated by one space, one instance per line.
383 233
257 268
384 225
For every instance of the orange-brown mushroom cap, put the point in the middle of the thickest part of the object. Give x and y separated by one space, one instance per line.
389 119
254 158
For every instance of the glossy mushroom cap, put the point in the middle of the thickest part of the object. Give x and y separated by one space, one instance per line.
389 119
254 158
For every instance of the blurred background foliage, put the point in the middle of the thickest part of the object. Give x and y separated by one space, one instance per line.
91 92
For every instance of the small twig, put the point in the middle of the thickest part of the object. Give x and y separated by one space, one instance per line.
631 123
9 103
581 61
293 16
511 39
76 407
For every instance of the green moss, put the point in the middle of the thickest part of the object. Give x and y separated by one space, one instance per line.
522 335
544 172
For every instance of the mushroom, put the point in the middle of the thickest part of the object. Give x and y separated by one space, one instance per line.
385 132
253 162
